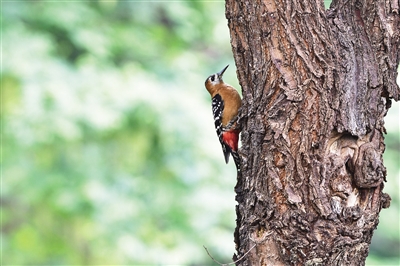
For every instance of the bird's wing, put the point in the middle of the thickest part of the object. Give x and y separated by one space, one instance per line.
217 109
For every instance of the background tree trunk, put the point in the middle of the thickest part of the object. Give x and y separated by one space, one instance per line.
316 85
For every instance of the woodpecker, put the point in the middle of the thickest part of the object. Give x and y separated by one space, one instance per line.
226 102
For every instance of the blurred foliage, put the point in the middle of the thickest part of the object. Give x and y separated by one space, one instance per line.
109 150
109 154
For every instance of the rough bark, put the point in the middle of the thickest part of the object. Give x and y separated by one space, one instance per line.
316 85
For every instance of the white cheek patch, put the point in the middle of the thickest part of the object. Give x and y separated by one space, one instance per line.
216 80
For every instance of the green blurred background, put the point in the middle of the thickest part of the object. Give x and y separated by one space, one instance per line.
109 154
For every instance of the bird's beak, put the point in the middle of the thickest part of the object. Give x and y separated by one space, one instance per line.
222 71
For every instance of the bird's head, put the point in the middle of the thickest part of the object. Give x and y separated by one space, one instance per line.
214 80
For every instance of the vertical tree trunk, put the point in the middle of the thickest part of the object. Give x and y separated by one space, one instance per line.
316 85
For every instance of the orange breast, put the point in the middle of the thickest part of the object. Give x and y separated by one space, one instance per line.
232 103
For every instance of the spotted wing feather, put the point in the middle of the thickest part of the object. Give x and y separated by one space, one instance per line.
217 109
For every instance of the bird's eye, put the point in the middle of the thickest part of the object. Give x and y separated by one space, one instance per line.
212 78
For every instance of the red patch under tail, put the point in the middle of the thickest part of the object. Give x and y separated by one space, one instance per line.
231 138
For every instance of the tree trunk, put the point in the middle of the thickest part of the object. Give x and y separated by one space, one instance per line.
316 85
